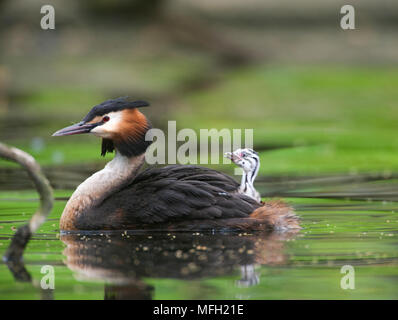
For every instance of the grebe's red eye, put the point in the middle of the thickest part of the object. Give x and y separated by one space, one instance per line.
105 119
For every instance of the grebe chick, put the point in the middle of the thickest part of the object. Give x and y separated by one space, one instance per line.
174 197
249 161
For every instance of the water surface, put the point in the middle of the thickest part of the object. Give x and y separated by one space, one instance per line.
133 264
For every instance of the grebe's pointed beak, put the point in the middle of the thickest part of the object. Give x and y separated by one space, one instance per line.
233 156
228 155
77 128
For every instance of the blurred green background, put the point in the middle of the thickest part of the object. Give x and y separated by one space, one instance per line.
320 100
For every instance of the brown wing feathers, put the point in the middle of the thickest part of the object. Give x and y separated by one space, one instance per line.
172 194
173 198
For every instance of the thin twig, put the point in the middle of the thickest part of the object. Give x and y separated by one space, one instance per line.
23 234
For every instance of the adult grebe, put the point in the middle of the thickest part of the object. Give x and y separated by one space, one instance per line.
175 197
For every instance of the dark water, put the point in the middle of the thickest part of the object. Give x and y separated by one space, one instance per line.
137 265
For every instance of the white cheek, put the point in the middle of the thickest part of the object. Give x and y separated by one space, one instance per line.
111 125
100 132
107 129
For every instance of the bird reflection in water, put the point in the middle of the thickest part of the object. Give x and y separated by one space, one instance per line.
123 259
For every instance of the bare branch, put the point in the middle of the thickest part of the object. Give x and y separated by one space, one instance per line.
23 234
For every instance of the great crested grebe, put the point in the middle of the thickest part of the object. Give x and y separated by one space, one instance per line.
175 197
249 161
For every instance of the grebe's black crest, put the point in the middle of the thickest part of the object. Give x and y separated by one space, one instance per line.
114 105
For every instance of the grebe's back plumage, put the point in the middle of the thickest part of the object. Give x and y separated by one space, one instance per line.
171 196
176 197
